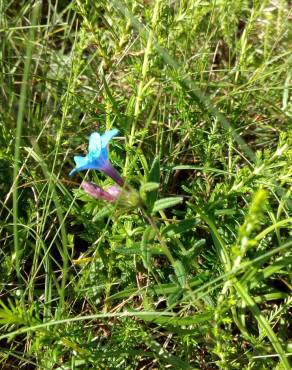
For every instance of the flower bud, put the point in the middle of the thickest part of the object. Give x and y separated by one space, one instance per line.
97 192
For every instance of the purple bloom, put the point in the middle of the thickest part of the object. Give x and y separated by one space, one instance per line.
114 191
124 198
97 192
97 157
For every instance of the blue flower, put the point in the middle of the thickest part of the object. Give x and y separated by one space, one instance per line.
97 157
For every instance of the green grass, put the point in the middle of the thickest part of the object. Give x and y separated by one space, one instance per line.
196 274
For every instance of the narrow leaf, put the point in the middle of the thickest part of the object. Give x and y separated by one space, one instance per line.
153 177
166 203
180 273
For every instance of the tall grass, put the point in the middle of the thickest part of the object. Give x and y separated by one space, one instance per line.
195 275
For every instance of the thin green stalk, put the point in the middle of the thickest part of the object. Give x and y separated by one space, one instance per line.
145 65
19 125
141 85
63 251
66 321
163 245
263 323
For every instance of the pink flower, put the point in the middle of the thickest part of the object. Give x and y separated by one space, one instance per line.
126 198
110 195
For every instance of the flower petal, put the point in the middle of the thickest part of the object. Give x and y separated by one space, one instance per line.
97 157
109 170
94 145
81 164
80 161
107 136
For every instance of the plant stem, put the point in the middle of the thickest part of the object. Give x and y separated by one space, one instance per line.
19 125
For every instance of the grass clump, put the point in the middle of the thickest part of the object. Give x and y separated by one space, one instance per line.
189 271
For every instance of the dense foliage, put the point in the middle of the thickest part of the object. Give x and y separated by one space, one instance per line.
192 271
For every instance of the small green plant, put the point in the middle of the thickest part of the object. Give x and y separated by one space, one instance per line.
176 252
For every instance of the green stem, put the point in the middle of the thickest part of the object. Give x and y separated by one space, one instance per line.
163 245
19 124
145 68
